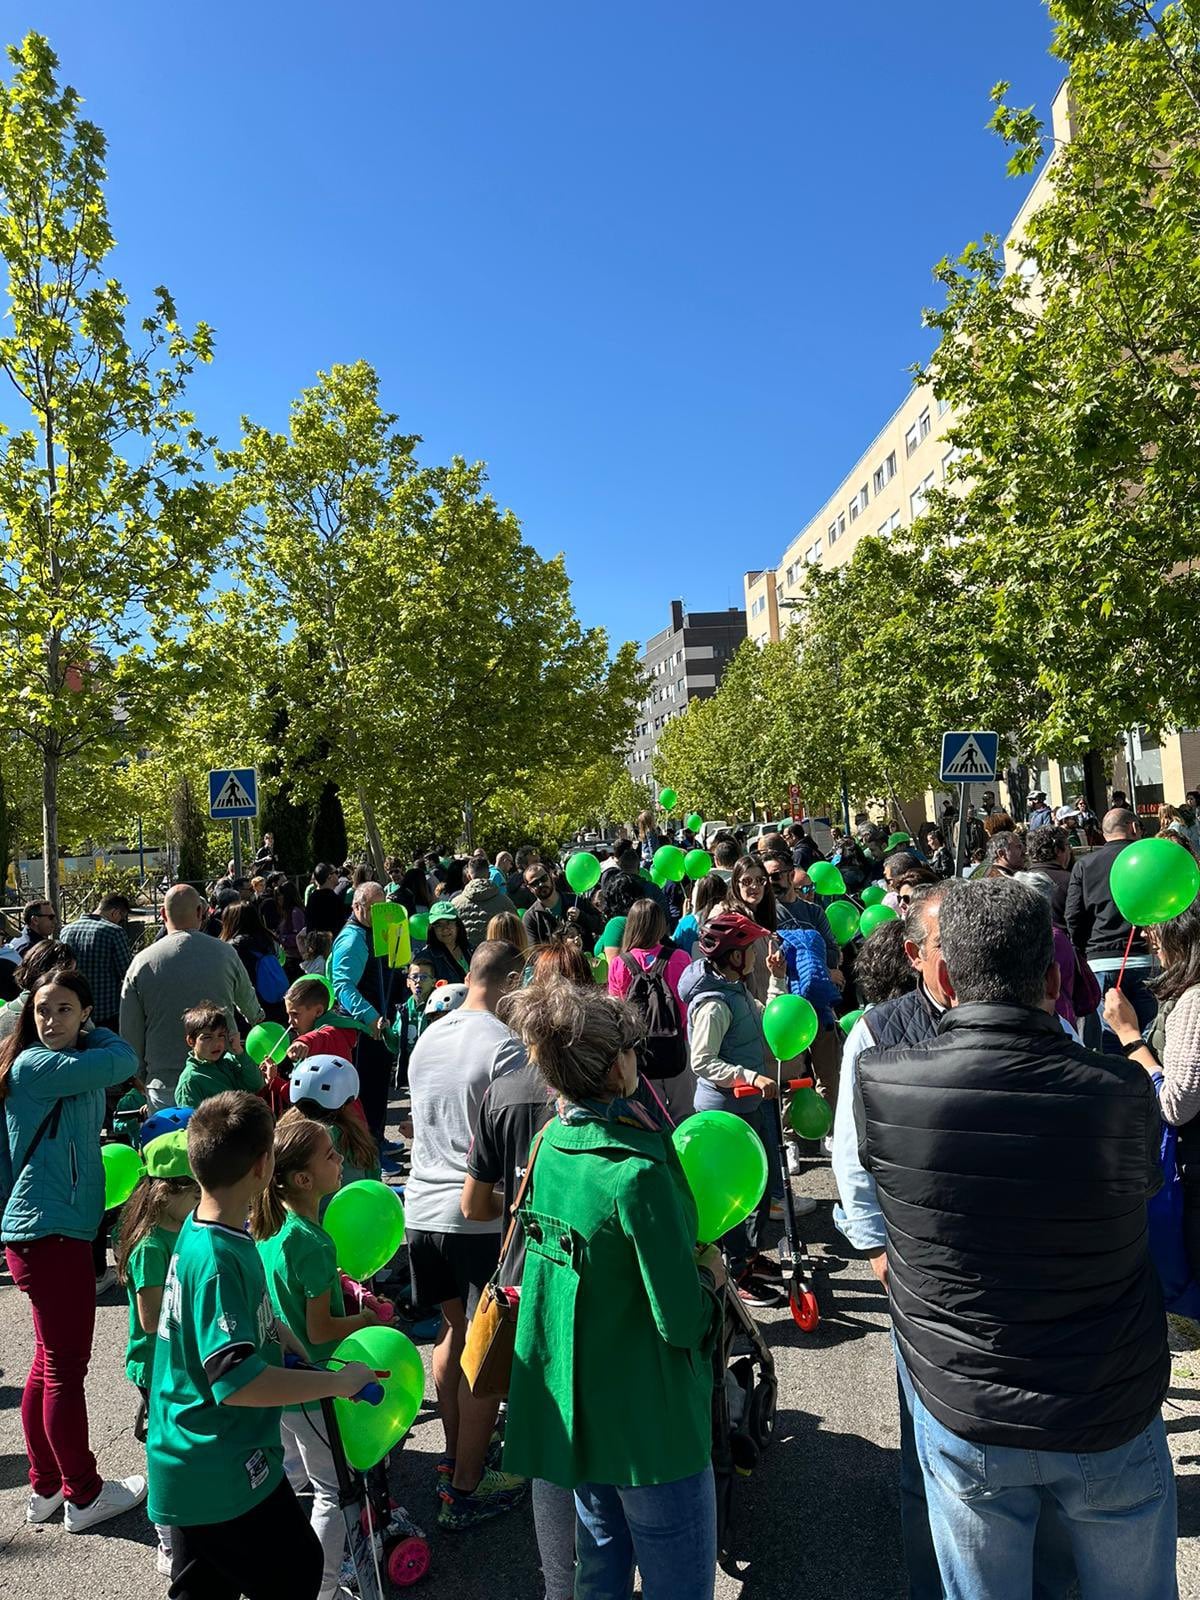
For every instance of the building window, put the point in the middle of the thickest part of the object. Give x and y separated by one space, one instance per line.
948 461
814 553
854 509
863 498
882 528
924 425
879 480
890 466
841 523
910 440
791 574
919 498
895 521
943 406
832 532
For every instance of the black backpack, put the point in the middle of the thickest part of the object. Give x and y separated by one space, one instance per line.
665 1051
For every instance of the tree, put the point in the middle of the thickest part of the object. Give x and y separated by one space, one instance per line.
429 651
626 797
1069 541
106 538
191 834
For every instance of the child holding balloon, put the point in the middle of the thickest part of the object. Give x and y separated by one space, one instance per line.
300 1264
150 1224
213 1443
216 1060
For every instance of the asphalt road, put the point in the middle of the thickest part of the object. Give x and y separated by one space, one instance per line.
818 1519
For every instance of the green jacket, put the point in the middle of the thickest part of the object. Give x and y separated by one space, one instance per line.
612 1377
200 1080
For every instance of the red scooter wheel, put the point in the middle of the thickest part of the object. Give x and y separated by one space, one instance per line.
805 1311
408 1562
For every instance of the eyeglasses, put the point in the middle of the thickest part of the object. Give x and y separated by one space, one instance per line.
778 877
904 899
538 883
807 890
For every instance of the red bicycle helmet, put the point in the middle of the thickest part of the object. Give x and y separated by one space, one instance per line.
729 930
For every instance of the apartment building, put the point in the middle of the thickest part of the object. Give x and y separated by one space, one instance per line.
686 661
886 489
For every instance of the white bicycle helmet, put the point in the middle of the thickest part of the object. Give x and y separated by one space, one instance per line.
445 997
328 1080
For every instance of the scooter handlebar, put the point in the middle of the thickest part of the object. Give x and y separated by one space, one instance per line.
743 1091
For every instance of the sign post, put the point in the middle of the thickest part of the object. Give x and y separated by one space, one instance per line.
232 795
967 758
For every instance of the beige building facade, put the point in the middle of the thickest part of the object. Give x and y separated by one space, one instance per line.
886 490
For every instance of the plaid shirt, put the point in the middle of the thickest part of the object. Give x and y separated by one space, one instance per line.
102 953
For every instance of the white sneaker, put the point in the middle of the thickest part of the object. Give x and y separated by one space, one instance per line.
802 1205
162 1562
116 1497
42 1507
793 1161
106 1281
827 1144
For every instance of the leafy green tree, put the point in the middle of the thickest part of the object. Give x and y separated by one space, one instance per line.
426 648
106 538
1069 542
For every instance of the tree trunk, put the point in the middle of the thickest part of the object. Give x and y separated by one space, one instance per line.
50 824
374 843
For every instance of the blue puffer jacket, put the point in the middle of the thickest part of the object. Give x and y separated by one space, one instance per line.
61 1190
808 973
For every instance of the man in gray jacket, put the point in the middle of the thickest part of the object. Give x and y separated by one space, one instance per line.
480 901
184 968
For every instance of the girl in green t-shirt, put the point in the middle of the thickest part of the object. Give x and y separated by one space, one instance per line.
300 1264
150 1224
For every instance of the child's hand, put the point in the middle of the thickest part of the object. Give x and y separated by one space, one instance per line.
368 1317
777 964
353 1377
297 1050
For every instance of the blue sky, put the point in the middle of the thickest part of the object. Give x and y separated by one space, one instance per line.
660 264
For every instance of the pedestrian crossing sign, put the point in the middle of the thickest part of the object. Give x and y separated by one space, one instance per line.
232 793
969 757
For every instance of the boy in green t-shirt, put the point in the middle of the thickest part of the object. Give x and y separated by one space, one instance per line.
216 1060
213 1448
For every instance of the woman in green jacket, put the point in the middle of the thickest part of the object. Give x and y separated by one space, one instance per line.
52 1081
612 1378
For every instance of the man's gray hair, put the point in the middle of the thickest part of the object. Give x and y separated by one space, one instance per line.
996 941
916 924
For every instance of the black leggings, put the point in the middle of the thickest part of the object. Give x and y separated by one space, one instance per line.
270 1553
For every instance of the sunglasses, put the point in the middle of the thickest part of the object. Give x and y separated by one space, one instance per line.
807 891
538 883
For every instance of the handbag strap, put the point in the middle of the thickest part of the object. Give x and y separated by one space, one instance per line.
516 1205
54 1115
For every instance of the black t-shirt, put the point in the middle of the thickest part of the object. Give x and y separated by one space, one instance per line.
515 1106
325 912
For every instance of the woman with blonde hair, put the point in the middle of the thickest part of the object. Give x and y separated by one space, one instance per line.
509 928
615 1276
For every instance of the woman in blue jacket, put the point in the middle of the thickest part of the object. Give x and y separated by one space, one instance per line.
52 1082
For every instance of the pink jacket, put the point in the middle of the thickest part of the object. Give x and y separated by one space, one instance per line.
678 962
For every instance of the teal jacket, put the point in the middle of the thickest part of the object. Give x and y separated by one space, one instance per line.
61 1190
353 974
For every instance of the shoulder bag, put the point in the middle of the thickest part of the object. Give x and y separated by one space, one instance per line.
487 1356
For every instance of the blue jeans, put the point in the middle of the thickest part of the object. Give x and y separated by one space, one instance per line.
1118 1508
1143 1001
749 1236
1053 1564
667 1530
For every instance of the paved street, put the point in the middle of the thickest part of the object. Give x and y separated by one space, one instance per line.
818 1519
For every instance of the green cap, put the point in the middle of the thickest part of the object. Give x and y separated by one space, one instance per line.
167 1156
443 911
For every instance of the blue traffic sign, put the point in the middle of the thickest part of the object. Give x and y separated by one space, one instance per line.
969 757
232 793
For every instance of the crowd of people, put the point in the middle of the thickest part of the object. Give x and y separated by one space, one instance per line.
999 1061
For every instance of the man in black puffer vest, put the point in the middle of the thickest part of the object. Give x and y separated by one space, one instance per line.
1013 1168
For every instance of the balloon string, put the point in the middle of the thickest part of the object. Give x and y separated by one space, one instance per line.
1125 957
659 1103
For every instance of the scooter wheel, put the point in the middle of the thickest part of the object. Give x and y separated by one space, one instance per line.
408 1562
806 1313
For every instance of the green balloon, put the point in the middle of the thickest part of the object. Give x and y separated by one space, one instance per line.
599 968
875 917
369 1432
583 871
790 1025
872 894
418 926
365 1220
898 838
122 1171
697 864
847 1022
693 822
843 919
668 799
670 862
262 1039
809 1115
826 879
1153 880
725 1165
655 875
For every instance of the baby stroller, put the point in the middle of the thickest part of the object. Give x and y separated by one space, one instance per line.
745 1395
